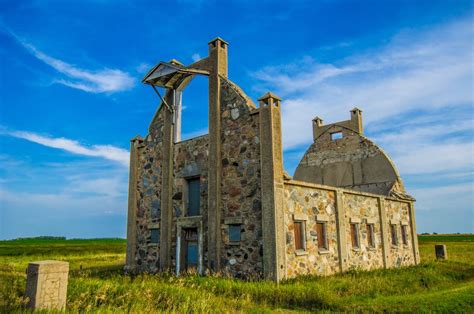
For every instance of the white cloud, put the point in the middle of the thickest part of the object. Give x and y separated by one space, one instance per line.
445 197
425 73
78 197
109 152
196 57
430 148
92 81
143 67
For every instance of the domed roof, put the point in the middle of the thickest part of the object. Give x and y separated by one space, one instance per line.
342 156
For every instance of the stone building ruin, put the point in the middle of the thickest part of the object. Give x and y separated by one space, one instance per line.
222 202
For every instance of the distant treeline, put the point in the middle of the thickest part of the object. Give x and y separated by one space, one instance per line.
435 233
40 238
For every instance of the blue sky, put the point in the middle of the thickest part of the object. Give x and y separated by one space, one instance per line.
71 98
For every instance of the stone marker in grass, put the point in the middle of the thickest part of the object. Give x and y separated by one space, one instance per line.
440 251
46 284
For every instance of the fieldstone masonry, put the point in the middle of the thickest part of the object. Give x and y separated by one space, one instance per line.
46 284
346 206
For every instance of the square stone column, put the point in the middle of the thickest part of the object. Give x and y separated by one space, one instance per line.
441 252
46 284
273 220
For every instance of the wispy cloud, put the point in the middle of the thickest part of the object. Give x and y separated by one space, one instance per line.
427 73
143 67
416 93
109 152
80 197
196 57
91 81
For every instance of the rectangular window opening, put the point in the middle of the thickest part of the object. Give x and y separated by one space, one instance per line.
155 235
404 235
322 236
393 232
336 136
300 240
194 197
235 233
370 235
355 235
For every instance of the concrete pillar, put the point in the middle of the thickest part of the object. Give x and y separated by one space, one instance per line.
167 183
341 231
218 67
441 252
274 244
317 124
132 204
384 232
414 235
46 285
356 120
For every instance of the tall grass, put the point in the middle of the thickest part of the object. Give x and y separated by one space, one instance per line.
101 286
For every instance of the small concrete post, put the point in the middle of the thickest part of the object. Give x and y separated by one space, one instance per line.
440 251
46 284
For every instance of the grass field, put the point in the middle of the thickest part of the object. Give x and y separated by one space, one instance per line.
97 283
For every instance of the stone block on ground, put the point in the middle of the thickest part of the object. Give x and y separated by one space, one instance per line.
46 284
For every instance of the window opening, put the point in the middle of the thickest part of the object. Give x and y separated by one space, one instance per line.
322 236
370 235
393 231
155 235
404 235
235 232
194 196
336 136
355 235
195 108
300 241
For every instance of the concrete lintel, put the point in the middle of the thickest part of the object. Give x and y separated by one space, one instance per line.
192 221
233 220
202 64
322 217
300 217
371 220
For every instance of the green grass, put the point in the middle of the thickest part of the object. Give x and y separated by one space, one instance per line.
97 283
446 238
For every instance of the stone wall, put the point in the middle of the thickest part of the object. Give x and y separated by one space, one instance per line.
311 203
240 183
190 160
363 209
304 203
149 175
398 214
